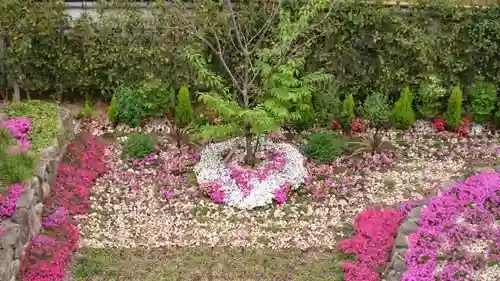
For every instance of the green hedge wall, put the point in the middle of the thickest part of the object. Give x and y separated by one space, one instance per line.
365 46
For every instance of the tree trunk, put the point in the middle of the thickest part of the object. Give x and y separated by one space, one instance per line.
17 92
249 158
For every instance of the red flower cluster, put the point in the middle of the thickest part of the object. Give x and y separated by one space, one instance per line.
375 229
49 253
439 124
463 128
358 126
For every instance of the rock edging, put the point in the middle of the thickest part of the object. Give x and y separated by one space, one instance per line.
26 221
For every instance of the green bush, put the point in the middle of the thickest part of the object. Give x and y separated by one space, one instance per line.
324 146
14 167
139 145
376 109
402 115
183 110
327 105
453 114
149 99
429 98
87 110
347 113
497 115
483 99
112 110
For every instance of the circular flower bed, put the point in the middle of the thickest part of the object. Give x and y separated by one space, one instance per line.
459 234
281 170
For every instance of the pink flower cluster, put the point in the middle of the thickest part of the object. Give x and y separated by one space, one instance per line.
172 170
375 229
8 202
449 224
213 189
19 129
49 252
276 160
321 181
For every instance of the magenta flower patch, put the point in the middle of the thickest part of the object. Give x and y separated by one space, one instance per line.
459 234
8 202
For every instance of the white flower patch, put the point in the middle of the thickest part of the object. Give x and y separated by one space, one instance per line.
211 168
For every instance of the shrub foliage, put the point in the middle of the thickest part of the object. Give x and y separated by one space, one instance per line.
453 114
403 116
483 98
139 145
324 146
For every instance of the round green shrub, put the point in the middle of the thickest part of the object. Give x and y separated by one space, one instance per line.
139 145
483 99
324 146
429 98
148 99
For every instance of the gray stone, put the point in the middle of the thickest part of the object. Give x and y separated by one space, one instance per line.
9 236
415 215
6 258
3 116
36 186
35 219
408 226
394 276
26 199
49 153
22 218
401 241
399 264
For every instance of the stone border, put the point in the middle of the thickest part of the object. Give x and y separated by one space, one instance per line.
26 221
396 266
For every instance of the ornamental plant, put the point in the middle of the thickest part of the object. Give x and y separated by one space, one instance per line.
183 109
453 114
402 115
483 97
87 111
430 94
458 237
270 85
134 103
139 145
347 112
324 146
112 110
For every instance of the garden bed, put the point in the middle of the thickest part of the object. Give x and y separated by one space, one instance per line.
156 202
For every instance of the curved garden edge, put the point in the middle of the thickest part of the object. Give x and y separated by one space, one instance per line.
17 230
396 266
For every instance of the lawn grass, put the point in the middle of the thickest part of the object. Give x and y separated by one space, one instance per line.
206 264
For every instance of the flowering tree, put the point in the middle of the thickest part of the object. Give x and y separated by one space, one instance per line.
268 84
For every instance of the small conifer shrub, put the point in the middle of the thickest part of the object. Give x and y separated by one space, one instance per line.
403 115
453 114
112 110
183 109
347 113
